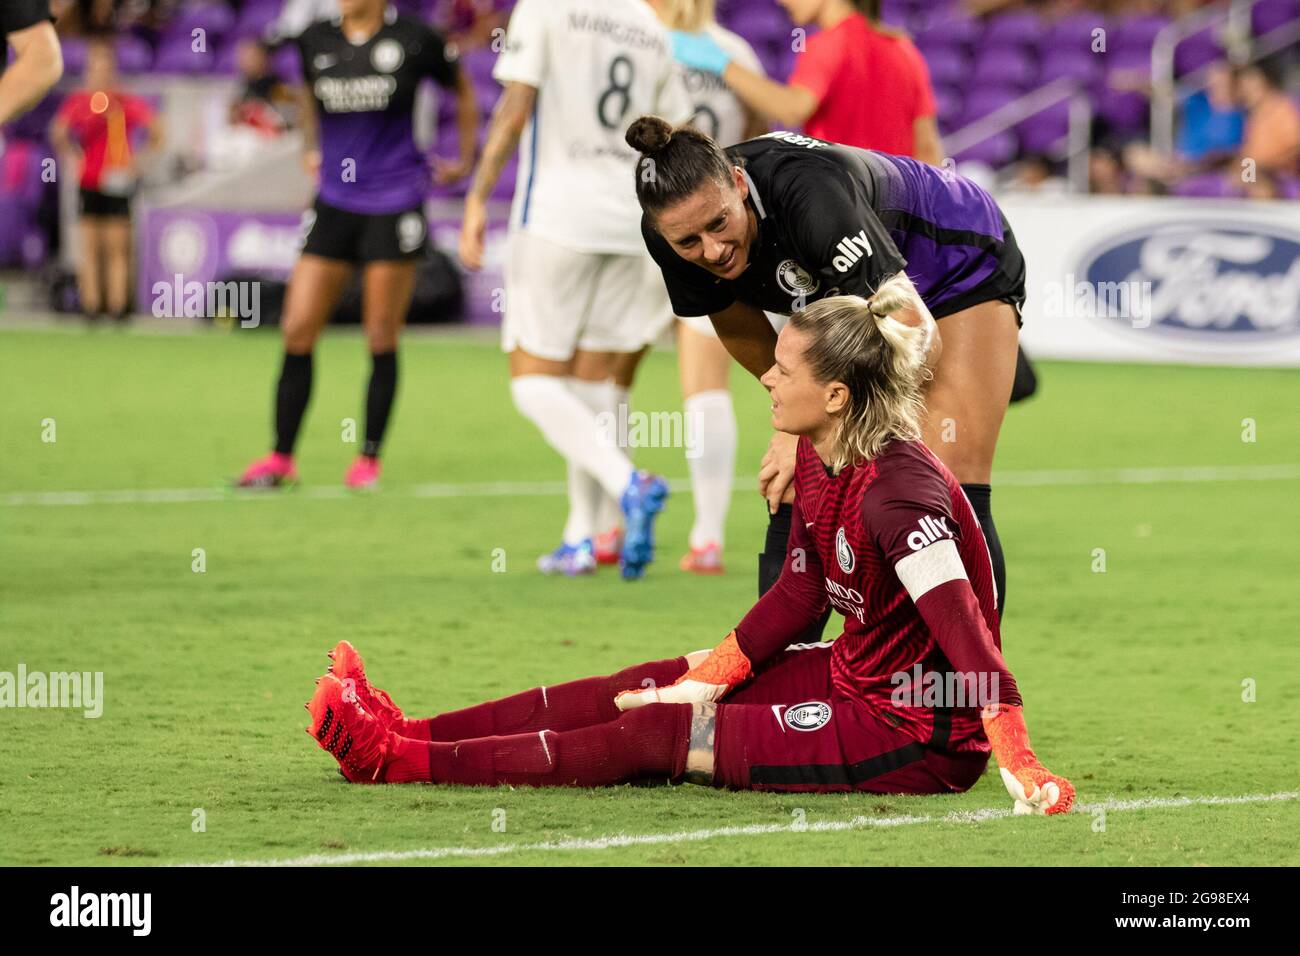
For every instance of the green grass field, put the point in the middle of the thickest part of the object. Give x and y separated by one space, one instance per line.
1133 678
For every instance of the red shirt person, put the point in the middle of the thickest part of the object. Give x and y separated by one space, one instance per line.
101 121
854 82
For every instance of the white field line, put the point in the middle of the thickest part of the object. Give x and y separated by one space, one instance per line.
754 829
498 489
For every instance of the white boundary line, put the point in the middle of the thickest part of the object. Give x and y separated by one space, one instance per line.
498 489
754 829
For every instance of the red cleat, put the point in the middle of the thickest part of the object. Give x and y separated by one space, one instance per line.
347 666
343 728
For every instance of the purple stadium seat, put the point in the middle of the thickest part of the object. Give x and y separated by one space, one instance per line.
948 103
478 64
763 23
1288 187
286 63
996 151
1196 51
1085 68
896 13
1073 35
948 65
1044 130
982 102
1125 111
177 56
1007 67
1021 29
955 30
256 17
1270 14
217 19
928 12
227 56
1128 58
1135 33
134 55
74 55
1207 186
781 63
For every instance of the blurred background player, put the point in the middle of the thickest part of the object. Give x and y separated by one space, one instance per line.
94 128
361 71
777 221
703 362
888 540
856 81
574 72
38 60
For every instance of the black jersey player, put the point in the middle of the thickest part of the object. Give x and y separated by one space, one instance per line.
360 72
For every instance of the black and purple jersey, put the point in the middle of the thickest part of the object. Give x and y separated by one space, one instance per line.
365 96
836 220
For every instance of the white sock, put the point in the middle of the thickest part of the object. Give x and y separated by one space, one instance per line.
711 423
570 427
610 512
585 493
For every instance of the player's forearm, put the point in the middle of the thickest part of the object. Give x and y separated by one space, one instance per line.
37 67
777 102
747 336
507 125
792 605
952 614
308 121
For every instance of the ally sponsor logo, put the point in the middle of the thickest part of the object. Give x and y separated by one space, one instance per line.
1207 283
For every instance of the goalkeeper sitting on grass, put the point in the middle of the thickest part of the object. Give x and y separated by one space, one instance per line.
881 530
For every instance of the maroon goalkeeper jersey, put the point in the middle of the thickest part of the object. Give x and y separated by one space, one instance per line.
856 538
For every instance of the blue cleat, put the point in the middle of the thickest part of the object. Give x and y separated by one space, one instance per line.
570 560
644 498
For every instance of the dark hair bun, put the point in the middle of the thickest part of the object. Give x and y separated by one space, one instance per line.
649 134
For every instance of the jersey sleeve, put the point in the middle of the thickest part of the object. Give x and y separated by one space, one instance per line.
438 58
18 15
793 604
692 290
911 518
524 58
834 231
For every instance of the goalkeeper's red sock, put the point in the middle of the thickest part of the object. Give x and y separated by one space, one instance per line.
650 742
578 703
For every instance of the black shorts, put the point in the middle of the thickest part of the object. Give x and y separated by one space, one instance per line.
1006 284
95 203
334 233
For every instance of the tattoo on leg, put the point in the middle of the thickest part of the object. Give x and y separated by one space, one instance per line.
699 755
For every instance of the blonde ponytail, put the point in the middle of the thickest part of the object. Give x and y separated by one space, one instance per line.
880 358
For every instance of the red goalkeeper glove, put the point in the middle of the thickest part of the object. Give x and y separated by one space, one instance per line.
707 682
1034 788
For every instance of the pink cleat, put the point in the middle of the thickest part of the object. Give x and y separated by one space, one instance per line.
705 560
363 475
273 471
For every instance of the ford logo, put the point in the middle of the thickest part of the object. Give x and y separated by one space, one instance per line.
1203 281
